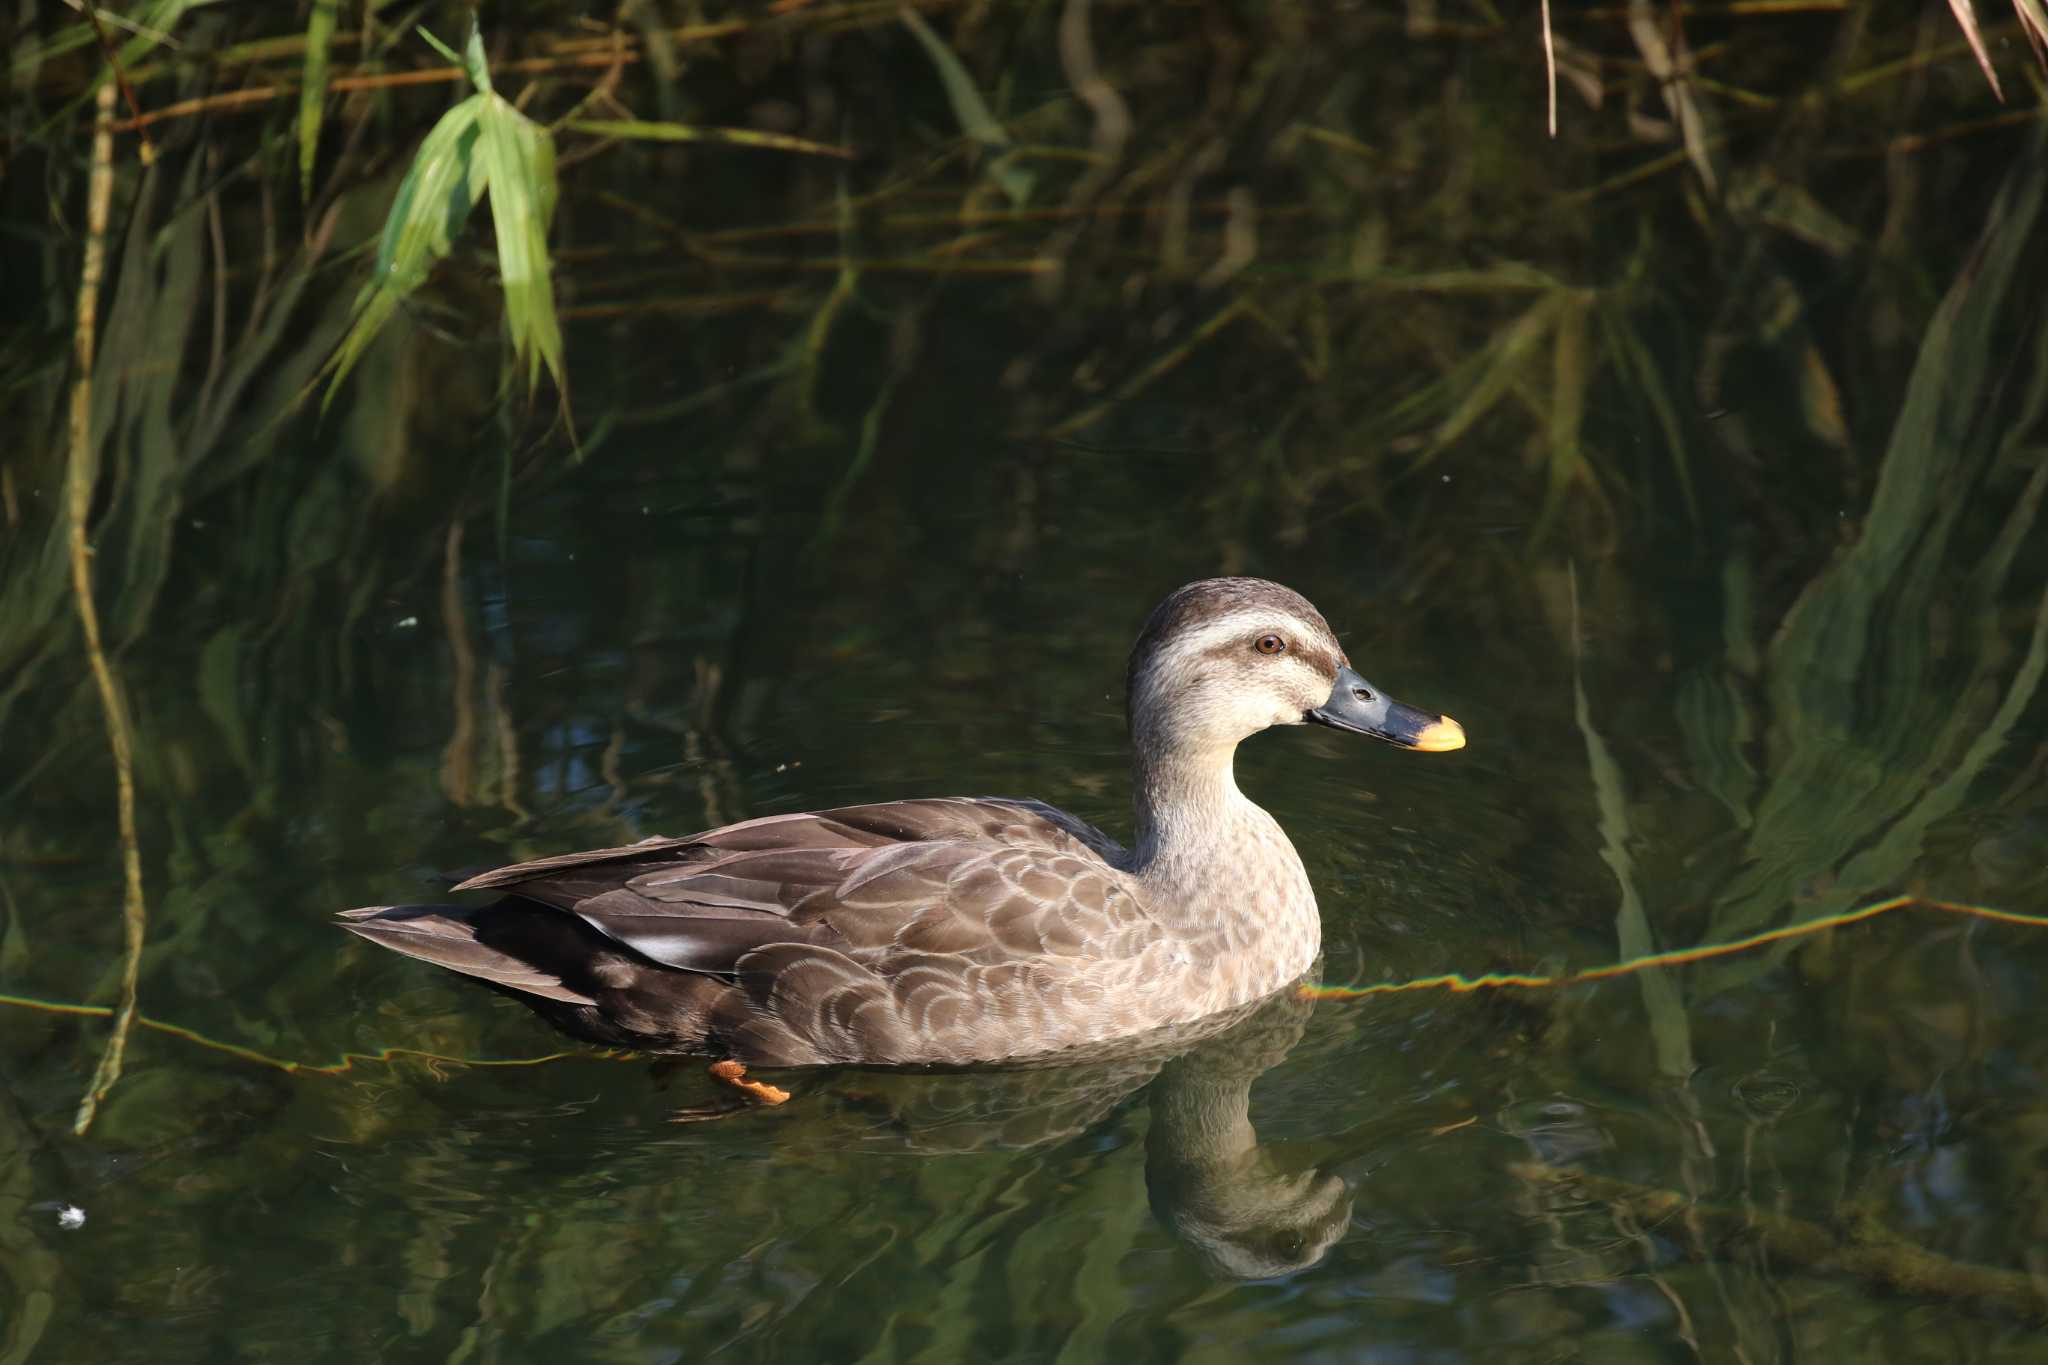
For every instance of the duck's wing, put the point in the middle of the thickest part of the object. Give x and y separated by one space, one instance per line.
985 880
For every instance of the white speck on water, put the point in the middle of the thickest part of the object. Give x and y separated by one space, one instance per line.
70 1217
406 622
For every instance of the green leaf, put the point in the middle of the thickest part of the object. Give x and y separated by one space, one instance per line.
473 58
432 205
519 163
482 147
975 119
453 58
313 89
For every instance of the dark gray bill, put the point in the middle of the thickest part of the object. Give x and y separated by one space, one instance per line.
1356 704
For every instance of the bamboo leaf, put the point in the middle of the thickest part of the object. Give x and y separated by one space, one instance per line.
453 58
2034 21
313 89
473 59
1966 18
519 163
482 148
432 205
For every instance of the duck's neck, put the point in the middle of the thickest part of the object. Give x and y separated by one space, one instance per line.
1186 802
1194 825
1217 870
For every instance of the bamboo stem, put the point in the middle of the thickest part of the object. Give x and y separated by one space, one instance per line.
258 95
113 56
79 480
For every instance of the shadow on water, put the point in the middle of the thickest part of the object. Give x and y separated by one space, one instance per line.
1693 460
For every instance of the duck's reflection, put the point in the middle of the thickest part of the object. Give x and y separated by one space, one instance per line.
1233 1203
1223 1195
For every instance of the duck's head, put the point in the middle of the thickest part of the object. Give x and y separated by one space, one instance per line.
1224 658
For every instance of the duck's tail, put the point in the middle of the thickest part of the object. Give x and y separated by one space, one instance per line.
446 935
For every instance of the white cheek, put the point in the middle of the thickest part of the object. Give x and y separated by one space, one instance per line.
1310 690
1252 712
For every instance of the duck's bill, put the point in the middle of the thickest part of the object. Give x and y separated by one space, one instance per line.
1357 705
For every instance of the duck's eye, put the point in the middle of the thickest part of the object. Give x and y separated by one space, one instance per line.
1270 644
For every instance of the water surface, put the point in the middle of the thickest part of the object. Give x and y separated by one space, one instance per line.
1741 648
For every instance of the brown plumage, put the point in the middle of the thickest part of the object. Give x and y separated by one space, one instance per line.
950 931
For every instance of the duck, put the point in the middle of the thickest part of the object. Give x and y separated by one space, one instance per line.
953 931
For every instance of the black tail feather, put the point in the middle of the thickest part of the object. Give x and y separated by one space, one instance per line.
446 935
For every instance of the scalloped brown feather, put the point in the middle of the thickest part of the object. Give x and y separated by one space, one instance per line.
908 931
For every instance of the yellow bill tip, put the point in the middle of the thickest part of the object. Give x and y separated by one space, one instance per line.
1440 738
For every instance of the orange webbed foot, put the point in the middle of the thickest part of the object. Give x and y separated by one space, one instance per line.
734 1074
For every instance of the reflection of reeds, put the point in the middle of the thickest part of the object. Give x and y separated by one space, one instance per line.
1870 744
32 1271
458 756
1668 1024
1864 1250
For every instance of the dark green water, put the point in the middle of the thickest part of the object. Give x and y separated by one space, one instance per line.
1791 669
